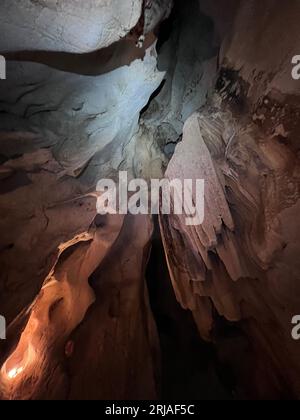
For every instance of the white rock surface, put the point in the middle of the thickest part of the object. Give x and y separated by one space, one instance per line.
65 25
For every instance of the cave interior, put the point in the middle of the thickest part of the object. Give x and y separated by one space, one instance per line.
145 307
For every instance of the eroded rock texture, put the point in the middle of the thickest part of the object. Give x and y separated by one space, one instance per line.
67 25
118 334
63 127
238 264
182 89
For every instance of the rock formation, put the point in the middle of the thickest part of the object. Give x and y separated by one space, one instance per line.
182 90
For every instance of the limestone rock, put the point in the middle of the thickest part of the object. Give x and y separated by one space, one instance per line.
241 263
67 25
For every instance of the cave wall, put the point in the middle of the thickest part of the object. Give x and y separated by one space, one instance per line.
241 264
93 311
209 99
48 25
263 40
66 122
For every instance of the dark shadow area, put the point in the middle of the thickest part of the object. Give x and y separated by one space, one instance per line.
189 367
152 97
119 54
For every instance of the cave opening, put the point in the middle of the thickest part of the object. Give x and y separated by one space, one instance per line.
190 368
